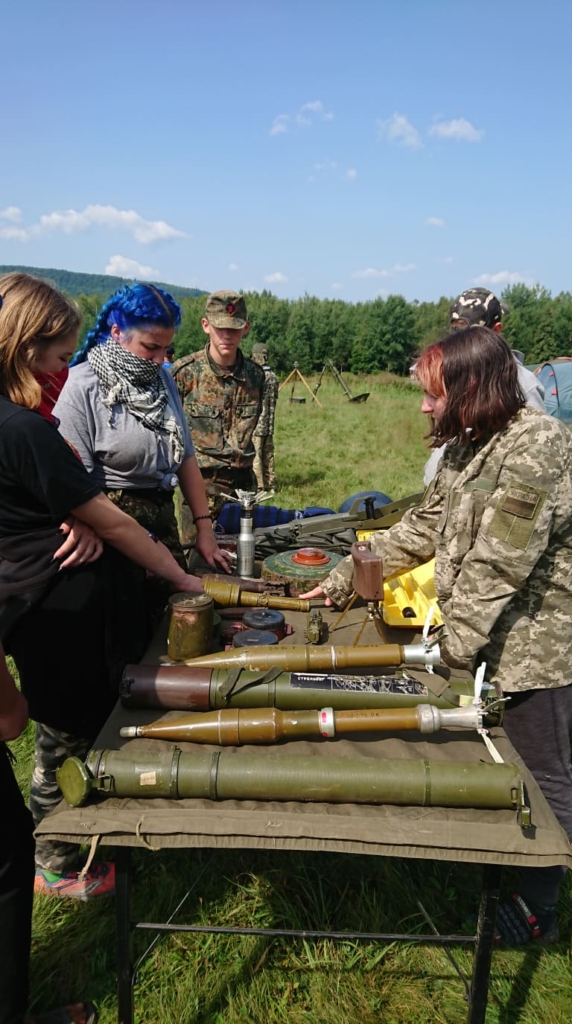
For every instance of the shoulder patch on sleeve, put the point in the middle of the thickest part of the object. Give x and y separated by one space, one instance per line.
516 515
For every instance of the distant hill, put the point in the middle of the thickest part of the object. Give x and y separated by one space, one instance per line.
74 283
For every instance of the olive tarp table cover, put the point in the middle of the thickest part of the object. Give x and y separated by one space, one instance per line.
453 834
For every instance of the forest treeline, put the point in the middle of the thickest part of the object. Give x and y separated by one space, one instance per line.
367 337
75 283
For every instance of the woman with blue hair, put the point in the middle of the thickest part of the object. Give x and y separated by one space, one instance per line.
121 410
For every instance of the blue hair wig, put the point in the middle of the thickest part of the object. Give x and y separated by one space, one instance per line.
135 305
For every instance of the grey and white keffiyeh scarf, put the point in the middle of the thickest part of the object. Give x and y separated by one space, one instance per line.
137 384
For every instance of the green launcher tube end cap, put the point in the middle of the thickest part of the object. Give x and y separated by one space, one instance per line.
74 781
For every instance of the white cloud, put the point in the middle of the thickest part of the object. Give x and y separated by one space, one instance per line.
72 222
11 213
370 272
304 117
15 234
398 268
398 129
325 166
122 266
337 287
351 174
314 106
280 124
445 259
459 129
435 222
144 231
233 267
502 277
277 278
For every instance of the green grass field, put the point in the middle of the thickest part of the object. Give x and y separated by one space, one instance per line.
323 456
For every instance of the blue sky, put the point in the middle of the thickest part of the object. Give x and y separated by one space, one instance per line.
345 148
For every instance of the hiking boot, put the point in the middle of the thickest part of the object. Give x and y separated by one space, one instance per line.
519 922
99 881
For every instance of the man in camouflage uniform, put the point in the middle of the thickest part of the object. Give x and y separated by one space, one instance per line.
264 433
498 519
479 306
221 391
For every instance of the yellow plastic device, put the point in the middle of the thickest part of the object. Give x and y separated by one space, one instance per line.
407 598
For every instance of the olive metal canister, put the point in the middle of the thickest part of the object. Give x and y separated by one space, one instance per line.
190 626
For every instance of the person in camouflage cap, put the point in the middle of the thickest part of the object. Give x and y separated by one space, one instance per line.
498 520
264 433
221 391
479 307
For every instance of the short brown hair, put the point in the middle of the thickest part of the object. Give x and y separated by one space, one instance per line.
33 314
476 372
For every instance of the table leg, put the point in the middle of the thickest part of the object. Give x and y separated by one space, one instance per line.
484 945
123 934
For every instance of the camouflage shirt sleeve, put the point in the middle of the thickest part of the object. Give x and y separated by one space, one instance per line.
265 425
515 530
407 544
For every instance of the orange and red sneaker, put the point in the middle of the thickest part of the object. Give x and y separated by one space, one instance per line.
99 881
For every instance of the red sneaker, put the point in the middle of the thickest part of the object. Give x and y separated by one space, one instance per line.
99 881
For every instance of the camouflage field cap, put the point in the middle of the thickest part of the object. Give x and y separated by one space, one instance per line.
226 309
259 353
476 306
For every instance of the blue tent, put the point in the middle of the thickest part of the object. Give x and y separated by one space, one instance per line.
556 376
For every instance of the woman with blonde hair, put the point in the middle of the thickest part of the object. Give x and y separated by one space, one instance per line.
66 615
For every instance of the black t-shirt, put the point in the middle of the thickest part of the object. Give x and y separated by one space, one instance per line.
41 479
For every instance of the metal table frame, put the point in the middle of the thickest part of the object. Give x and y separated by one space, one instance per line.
476 991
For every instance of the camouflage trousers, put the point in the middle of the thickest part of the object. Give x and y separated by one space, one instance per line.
52 749
155 512
218 482
264 462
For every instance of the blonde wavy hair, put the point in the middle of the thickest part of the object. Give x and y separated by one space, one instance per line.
33 315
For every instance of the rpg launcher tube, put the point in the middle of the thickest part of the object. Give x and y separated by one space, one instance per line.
232 594
232 728
225 776
296 658
182 688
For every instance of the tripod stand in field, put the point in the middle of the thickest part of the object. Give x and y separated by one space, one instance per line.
351 398
295 375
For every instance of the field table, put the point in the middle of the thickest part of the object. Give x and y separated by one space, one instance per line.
490 838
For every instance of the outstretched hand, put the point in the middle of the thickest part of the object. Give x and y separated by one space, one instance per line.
316 592
191 585
81 545
207 547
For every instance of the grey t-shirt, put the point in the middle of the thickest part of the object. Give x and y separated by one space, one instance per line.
115 446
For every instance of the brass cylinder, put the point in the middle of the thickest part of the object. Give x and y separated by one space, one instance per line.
190 626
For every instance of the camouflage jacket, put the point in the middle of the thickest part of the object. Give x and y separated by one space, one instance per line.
498 518
222 407
265 425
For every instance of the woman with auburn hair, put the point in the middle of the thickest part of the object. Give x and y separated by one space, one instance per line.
66 615
498 520
122 412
